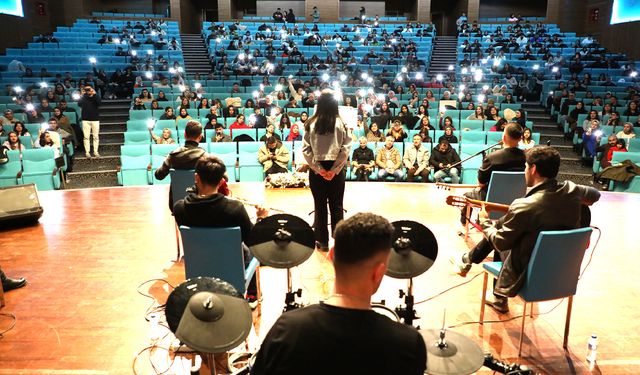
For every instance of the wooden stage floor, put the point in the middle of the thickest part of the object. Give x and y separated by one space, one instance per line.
81 313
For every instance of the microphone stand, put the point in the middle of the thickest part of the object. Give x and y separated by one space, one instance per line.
474 155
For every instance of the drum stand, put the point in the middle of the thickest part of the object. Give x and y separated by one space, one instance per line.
290 297
407 313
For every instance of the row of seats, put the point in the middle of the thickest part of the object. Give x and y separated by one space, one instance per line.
35 166
139 161
124 15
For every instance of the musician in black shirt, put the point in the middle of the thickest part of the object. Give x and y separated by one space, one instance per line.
342 335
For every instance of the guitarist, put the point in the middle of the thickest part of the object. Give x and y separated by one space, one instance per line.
510 158
514 235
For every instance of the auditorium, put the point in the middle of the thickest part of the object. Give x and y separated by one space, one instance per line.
285 187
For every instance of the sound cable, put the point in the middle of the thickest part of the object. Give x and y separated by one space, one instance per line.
505 320
153 308
593 250
11 325
150 348
448 289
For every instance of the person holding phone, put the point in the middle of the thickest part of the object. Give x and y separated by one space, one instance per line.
90 103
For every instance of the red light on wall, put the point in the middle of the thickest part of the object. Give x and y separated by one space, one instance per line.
41 9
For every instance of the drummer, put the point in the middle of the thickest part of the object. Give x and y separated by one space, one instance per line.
343 334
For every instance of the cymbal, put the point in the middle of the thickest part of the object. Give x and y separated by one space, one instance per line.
208 315
415 249
459 356
281 241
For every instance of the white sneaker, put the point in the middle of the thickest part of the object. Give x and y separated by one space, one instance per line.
96 155
87 155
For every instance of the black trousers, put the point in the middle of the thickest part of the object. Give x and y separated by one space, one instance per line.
252 289
325 193
362 174
275 168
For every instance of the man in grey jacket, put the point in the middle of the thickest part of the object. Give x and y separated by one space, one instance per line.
514 235
416 160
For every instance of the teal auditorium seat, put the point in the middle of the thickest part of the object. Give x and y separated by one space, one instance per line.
504 187
469 174
216 252
140 114
39 167
474 137
137 126
10 172
249 168
137 138
552 272
135 161
227 151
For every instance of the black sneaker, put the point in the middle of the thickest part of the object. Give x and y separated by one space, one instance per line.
321 247
501 305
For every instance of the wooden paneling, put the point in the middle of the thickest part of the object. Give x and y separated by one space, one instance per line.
80 312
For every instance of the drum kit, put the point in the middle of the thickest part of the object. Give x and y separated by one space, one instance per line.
283 241
210 316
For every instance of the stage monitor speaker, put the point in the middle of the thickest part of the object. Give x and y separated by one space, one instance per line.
19 205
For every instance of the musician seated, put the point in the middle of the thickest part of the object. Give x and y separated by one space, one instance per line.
389 161
342 334
416 160
206 207
514 235
273 156
510 158
362 161
442 159
184 157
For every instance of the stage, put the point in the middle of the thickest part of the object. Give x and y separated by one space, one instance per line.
81 312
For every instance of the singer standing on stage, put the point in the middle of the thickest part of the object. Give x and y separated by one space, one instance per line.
326 147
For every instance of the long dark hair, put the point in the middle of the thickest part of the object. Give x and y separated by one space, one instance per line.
325 115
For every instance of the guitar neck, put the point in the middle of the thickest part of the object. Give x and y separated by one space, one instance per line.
447 186
490 206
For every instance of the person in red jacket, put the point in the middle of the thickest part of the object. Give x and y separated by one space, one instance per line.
239 124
